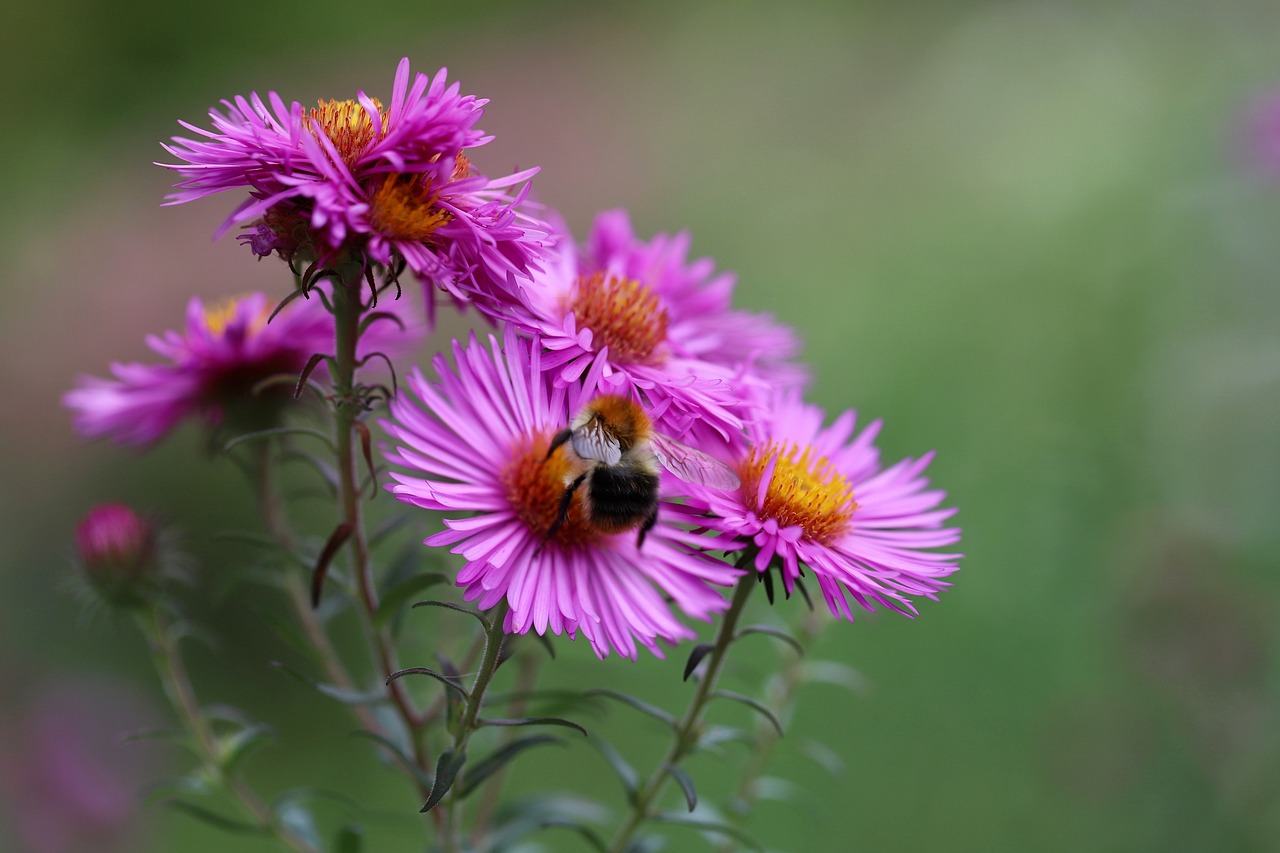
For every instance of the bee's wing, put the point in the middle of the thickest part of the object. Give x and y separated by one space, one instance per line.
692 465
593 443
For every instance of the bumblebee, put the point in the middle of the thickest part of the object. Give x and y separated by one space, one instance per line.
617 455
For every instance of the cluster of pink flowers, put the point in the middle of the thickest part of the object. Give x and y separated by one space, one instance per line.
393 187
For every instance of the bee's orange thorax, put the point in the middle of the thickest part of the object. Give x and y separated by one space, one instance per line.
622 418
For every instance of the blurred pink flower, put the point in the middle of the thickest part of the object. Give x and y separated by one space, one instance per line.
818 498
213 367
117 548
390 182
475 446
1262 134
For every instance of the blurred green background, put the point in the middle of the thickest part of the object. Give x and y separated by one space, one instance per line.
1025 234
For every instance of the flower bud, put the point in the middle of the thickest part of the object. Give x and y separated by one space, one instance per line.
117 550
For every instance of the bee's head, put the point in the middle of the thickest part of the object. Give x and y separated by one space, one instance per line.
621 418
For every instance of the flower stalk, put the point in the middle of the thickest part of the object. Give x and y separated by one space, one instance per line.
163 644
689 728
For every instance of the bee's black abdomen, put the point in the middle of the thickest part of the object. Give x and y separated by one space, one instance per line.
621 497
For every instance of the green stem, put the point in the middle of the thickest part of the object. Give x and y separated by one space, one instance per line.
493 640
530 661
177 685
689 728
348 406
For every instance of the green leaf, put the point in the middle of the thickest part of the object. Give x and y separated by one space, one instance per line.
695 657
422 670
297 820
769 631
451 606
499 758
233 747
446 771
336 539
824 756
639 704
588 834
753 704
397 753
339 694
214 819
834 672
350 839
533 721
714 736
705 825
395 597
626 773
686 785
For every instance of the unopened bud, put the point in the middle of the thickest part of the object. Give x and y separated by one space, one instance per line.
117 550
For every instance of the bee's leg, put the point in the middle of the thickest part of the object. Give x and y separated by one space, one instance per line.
649 521
565 502
560 438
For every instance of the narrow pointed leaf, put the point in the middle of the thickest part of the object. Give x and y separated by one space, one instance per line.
686 785
226 824
705 825
496 760
588 834
312 363
451 606
396 597
834 672
625 772
422 670
398 754
534 721
446 771
232 748
298 821
639 704
753 704
366 447
699 652
770 631
374 316
274 431
340 534
339 694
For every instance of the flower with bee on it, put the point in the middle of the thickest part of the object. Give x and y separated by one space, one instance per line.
818 498
474 444
356 178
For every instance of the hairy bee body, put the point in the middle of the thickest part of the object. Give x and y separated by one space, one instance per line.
617 459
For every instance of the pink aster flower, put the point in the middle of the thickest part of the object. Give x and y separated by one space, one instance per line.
392 183
609 331
476 443
818 498
212 368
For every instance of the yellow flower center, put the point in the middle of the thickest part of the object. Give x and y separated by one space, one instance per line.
806 490
348 126
622 314
534 487
404 207
218 315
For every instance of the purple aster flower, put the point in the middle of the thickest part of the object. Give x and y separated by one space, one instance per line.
610 332
391 183
476 442
818 497
117 548
700 322
213 367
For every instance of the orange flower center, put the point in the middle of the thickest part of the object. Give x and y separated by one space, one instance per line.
805 490
622 314
404 207
534 487
348 126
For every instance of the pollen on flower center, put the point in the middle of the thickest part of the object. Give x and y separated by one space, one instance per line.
534 487
348 126
805 490
622 314
403 207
